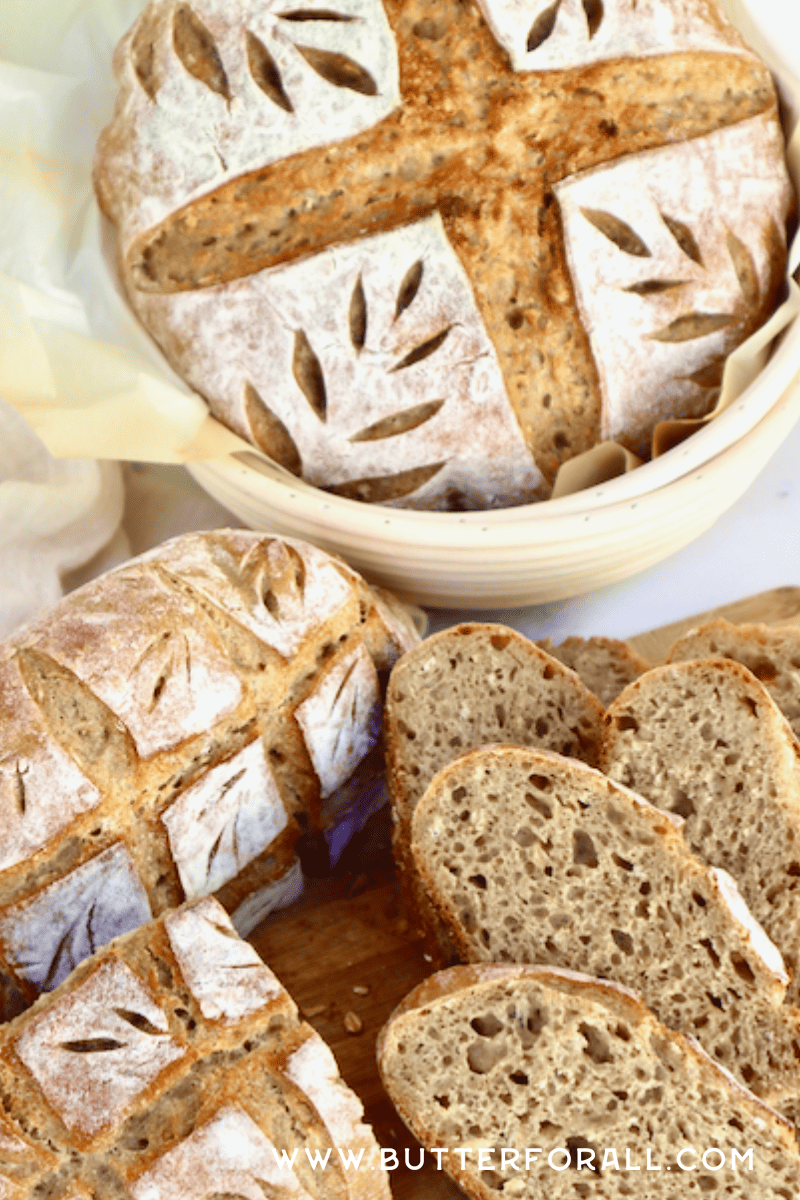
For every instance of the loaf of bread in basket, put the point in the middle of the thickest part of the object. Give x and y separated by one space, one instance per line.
423 253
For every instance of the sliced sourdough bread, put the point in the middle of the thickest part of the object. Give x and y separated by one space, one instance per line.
533 858
570 1071
705 740
472 685
773 655
462 688
606 665
174 1066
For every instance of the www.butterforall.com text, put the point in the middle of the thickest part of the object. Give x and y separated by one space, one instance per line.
560 1158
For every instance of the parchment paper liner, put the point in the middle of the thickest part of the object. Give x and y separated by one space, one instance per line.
73 359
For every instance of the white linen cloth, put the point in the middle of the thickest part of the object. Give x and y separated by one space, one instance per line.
55 516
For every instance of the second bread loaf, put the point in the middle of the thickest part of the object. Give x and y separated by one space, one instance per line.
170 729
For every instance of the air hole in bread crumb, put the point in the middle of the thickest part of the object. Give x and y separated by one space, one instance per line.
743 969
682 804
524 837
625 721
596 1047
583 849
499 640
699 899
541 806
478 881
482 1056
487 1026
622 862
541 782
623 940
442 1101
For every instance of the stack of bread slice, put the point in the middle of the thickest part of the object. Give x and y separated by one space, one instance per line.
526 856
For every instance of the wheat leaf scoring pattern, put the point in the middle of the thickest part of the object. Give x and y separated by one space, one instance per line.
19 788
408 287
92 1045
709 376
653 287
684 237
423 351
265 73
269 432
307 371
357 316
314 14
692 325
594 15
617 231
399 422
139 1021
339 70
143 56
745 268
542 27
380 488
285 579
197 50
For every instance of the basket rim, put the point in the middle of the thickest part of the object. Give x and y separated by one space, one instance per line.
302 502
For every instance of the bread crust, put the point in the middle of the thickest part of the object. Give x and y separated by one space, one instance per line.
172 728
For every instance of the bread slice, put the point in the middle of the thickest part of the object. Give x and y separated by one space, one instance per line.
568 1070
773 655
174 1064
534 858
705 740
606 665
471 685
462 688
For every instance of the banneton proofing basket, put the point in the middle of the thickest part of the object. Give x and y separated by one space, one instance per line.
557 548
537 552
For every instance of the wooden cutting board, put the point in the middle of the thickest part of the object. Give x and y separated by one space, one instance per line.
347 947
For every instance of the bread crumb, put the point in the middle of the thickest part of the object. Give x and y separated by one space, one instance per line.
360 989
353 1023
315 1011
402 925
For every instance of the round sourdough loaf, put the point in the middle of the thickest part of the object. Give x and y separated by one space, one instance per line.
423 254
170 729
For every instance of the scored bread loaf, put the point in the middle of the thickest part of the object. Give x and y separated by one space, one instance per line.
424 254
173 1064
606 665
577 1073
705 740
772 654
529 857
168 731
